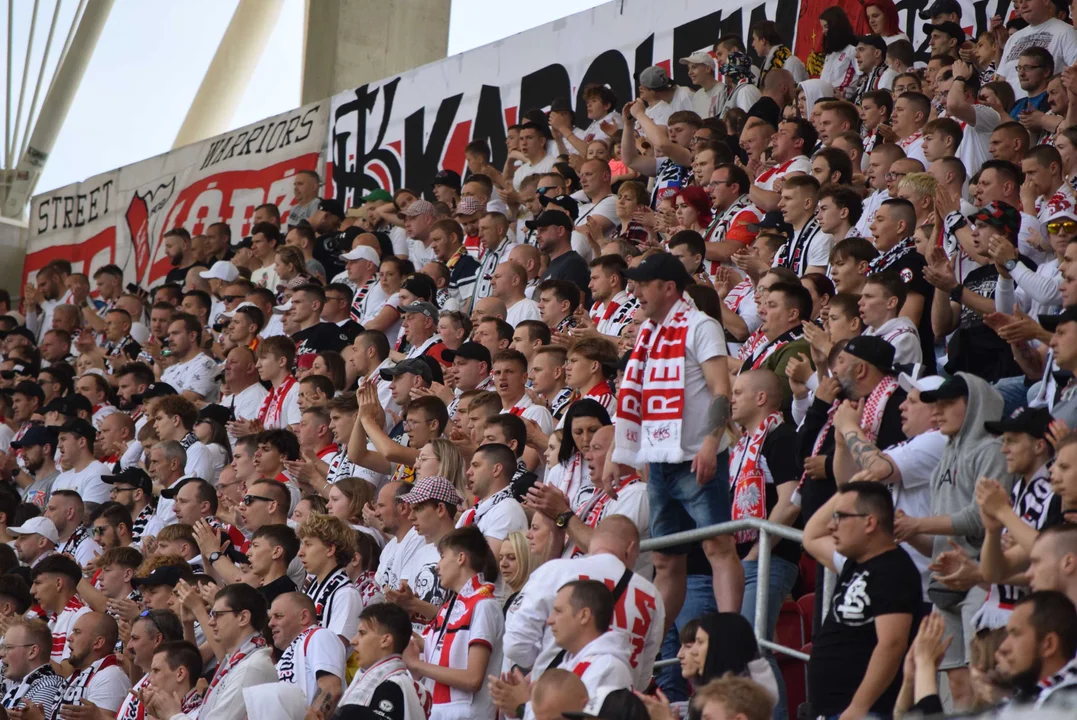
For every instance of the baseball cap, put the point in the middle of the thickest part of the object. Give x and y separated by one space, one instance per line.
242 243
378 195
283 308
1063 214
565 202
873 350
422 306
133 476
232 313
773 220
1031 421
362 252
700 57
875 41
163 389
30 389
468 351
331 206
421 286
219 413
909 382
468 206
80 427
38 526
415 366
165 575
660 266
999 215
448 178
419 207
221 270
954 387
949 27
36 435
1051 322
549 218
170 492
654 78
432 488
941 7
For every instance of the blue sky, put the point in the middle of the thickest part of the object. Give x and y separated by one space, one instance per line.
153 53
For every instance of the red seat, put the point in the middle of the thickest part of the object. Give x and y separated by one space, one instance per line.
795 675
790 629
807 573
806 605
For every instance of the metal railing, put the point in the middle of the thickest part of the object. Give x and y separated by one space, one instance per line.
766 530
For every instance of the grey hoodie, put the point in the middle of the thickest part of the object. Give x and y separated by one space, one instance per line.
971 454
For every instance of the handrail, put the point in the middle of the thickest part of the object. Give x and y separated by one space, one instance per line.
766 529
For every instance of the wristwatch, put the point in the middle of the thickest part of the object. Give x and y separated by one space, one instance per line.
955 294
1010 265
563 518
214 557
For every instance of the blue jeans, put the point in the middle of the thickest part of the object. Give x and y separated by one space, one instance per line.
698 600
680 503
783 574
1014 394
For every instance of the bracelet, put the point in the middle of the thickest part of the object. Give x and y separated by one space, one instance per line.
955 294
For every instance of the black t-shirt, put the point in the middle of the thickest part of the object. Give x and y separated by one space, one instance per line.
572 267
351 329
320 337
974 347
387 703
910 268
886 584
280 586
179 274
784 466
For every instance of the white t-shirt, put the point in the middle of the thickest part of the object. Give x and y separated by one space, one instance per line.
705 102
108 688
872 203
683 99
290 413
420 254
594 130
1057 37
266 277
525 407
317 651
916 458
498 516
606 208
86 482
62 625
199 375
523 310
274 327
200 462
246 404
542 167
840 70
973 150
705 340
799 164
900 332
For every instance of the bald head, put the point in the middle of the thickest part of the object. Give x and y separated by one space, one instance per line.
777 81
491 306
906 166
617 535
556 692
762 391
299 602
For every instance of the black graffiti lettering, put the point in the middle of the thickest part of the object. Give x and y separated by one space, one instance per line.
289 129
542 87
490 123
644 57
255 134
349 177
77 210
912 10
43 217
69 207
421 162
235 144
691 36
273 137
208 160
307 125
610 68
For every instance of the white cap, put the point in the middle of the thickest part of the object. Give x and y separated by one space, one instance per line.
95 371
38 526
221 270
362 252
909 383
140 333
1064 214
700 57
231 313
283 308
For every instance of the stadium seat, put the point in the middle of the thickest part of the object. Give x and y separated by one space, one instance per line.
806 606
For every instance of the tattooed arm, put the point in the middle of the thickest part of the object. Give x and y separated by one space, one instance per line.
866 457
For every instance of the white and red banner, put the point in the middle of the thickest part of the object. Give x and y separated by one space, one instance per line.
120 216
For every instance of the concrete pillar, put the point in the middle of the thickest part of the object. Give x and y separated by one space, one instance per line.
352 42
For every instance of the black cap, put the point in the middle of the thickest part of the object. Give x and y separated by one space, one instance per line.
660 266
873 350
875 41
766 109
218 413
165 575
421 286
331 206
1031 421
950 28
81 427
36 435
954 387
549 218
561 104
247 242
415 366
448 178
170 492
773 220
30 389
133 476
468 351
565 202
941 7
158 389
1051 322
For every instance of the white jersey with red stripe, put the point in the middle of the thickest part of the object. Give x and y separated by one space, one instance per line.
526 408
639 612
611 317
471 617
799 164
600 664
61 625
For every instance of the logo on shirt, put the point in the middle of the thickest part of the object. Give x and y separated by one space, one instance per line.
855 601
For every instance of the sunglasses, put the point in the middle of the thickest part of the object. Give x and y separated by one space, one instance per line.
248 500
1062 226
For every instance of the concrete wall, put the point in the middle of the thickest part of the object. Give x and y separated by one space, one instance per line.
352 42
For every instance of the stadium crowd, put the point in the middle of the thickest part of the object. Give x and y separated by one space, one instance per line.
396 461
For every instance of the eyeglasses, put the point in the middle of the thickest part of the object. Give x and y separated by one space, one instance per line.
546 188
1062 226
217 613
837 516
100 529
1027 68
8 648
117 489
894 175
232 298
249 499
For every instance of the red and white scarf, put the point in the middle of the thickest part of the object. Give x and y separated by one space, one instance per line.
251 645
273 406
593 512
746 474
738 294
358 309
650 408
